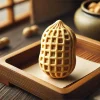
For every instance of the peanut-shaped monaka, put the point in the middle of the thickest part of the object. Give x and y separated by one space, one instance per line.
58 55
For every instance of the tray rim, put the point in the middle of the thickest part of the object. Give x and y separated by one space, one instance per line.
79 37
65 90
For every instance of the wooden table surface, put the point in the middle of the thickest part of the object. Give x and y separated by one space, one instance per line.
17 41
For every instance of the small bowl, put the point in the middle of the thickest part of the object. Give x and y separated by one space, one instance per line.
88 23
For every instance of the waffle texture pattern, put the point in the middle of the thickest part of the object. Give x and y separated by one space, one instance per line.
57 55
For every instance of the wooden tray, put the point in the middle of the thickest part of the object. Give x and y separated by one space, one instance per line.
12 65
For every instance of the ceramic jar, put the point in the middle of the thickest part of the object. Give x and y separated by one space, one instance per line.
88 23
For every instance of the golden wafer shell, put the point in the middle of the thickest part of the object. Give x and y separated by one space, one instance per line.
57 55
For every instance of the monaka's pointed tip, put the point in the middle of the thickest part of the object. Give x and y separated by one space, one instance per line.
59 21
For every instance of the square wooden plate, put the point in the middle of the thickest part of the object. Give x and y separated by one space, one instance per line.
12 65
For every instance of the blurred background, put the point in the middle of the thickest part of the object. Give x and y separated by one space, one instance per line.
37 11
18 9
